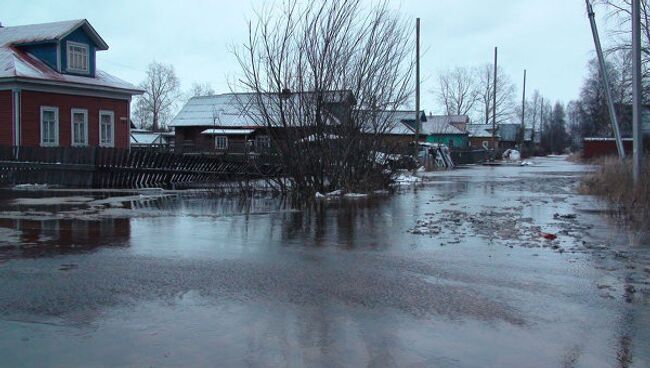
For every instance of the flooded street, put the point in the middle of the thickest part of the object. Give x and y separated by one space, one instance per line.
454 273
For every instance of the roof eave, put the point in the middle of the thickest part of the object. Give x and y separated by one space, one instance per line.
32 43
73 85
99 41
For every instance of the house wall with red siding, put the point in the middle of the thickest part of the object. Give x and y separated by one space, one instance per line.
6 121
599 148
32 101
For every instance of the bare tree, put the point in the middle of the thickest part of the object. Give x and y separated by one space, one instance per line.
620 42
201 89
161 94
320 77
505 103
458 92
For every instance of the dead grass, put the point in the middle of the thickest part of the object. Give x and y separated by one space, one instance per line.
613 181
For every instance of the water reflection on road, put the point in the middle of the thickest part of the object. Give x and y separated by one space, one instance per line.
201 280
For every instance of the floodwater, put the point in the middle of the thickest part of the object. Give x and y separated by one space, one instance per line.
454 273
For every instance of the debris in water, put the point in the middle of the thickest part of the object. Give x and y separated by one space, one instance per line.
548 236
566 217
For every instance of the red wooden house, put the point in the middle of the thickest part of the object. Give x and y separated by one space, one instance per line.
52 94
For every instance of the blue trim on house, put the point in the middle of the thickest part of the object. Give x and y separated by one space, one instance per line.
45 52
78 36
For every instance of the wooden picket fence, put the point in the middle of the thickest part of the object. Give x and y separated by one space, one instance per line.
95 167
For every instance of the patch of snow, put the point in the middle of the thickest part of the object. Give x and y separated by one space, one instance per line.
404 179
30 187
355 195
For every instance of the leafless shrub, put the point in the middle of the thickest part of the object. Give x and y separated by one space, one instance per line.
320 76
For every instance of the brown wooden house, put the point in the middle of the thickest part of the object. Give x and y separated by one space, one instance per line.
243 123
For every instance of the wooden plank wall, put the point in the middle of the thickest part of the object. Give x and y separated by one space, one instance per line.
94 167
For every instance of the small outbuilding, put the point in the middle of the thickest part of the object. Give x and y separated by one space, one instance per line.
447 130
481 137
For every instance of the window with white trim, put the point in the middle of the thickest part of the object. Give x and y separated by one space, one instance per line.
221 142
79 129
78 60
106 129
49 126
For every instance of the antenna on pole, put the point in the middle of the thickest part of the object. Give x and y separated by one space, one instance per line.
605 81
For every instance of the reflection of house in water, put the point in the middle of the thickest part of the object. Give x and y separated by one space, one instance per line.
49 237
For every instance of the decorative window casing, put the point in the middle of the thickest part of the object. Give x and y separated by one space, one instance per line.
106 129
221 142
79 129
78 57
49 126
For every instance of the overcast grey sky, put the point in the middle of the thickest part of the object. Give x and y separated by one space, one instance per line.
550 38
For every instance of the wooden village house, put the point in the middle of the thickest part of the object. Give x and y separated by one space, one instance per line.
52 93
234 123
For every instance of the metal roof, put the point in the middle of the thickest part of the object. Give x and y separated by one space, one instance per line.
509 132
48 32
246 110
387 122
449 119
480 130
439 126
15 63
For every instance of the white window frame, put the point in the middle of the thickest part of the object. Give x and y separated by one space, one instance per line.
85 114
216 142
102 143
56 126
69 67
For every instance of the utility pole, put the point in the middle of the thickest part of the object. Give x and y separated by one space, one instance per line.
637 129
605 81
523 117
417 88
541 121
494 103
